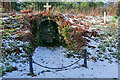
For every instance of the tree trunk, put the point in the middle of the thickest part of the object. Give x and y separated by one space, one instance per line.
6 5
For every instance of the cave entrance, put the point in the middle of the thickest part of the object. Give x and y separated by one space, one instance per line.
48 33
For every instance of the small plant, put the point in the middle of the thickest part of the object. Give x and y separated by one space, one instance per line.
97 38
6 34
4 37
69 55
100 52
117 40
100 46
116 17
113 21
110 40
110 61
105 41
99 56
103 49
23 55
107 44
11 68
20 65
101 37
11 43
7 64
114 53
8 50
105 56
14 60
47 70
109 34
101 60
94 59
110 50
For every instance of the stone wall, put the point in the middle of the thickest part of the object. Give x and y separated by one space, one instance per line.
46 31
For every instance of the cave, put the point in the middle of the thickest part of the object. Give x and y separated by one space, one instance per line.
48 33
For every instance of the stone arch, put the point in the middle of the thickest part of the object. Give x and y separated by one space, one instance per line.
44 18
37 22
47 32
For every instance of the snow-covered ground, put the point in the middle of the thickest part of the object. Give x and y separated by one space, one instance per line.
101 58
56 58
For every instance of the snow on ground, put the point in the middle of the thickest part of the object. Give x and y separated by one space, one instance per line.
56 58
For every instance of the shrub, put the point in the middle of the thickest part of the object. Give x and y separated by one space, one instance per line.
116 17
113 21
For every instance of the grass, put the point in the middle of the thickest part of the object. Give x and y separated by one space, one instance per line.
1 71
103 48
100 46
99 56
107 44
110 50
10 68
105 56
